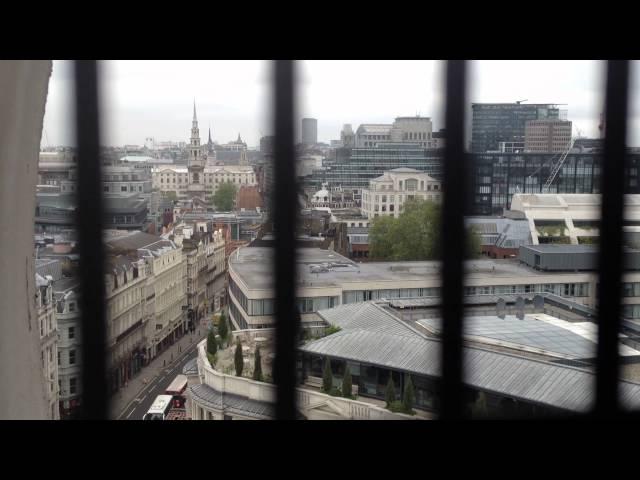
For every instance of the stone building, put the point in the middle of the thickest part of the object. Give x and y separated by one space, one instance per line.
48 342
387 194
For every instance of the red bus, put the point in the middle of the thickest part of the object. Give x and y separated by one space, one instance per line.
176 389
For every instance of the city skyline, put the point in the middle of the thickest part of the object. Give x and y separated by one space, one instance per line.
154 98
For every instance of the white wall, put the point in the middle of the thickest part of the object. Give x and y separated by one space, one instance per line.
23 93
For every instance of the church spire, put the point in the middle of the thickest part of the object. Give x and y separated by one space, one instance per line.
210 134
195 119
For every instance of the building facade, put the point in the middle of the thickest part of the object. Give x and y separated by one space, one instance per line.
387 194
176 179
493 123
404 129
547 136
48 326
309 131
146 293
327 279
68 315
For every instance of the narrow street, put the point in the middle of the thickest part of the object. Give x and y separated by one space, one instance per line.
136 409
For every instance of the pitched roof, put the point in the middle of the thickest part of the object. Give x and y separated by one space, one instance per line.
374 336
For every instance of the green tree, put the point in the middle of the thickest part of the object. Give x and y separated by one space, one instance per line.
225 196
238 360
257 368
382 237
171 196
408 398
390 393
327 376
212 345
223 329
414 235
346 382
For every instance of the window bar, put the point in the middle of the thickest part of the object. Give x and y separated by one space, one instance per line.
610 267
453 242
89 223
284 217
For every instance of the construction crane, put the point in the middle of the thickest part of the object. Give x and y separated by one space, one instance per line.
520 101
558 166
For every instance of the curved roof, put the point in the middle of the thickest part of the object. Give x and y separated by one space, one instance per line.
230 403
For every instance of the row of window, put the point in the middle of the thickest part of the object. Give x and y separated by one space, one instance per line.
211 180
72 357
265 306
559 289
123 188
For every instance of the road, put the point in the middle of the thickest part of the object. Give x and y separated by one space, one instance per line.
141 404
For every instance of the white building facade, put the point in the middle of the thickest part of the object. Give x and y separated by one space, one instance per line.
387 194
48 343
176 179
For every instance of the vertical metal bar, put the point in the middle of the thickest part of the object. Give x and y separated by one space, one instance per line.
89 223
456 175
284 217
611 219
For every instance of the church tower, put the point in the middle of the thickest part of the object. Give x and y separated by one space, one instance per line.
196 187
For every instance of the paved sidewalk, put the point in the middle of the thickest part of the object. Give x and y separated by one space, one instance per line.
126 395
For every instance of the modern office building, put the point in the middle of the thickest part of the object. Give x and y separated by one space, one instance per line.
496 177
547 136
387 194
499 176
309 131
570 218
493 123
327 279
404 129
353 170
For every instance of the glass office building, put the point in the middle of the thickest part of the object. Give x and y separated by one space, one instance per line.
493 123
495 176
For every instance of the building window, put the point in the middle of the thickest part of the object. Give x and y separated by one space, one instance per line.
72 357
72 385
72 332
123 189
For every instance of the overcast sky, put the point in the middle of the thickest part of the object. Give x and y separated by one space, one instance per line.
154 98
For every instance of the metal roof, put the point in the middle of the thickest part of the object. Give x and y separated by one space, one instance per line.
231 403
369 337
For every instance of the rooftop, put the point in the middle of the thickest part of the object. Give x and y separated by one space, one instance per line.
255 267
376 336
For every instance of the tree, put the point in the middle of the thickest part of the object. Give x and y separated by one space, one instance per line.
382 237
238 359
414 235
257 368
390 393
346 382
408 397
171 195
223 329
225 196
212 345
327 376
